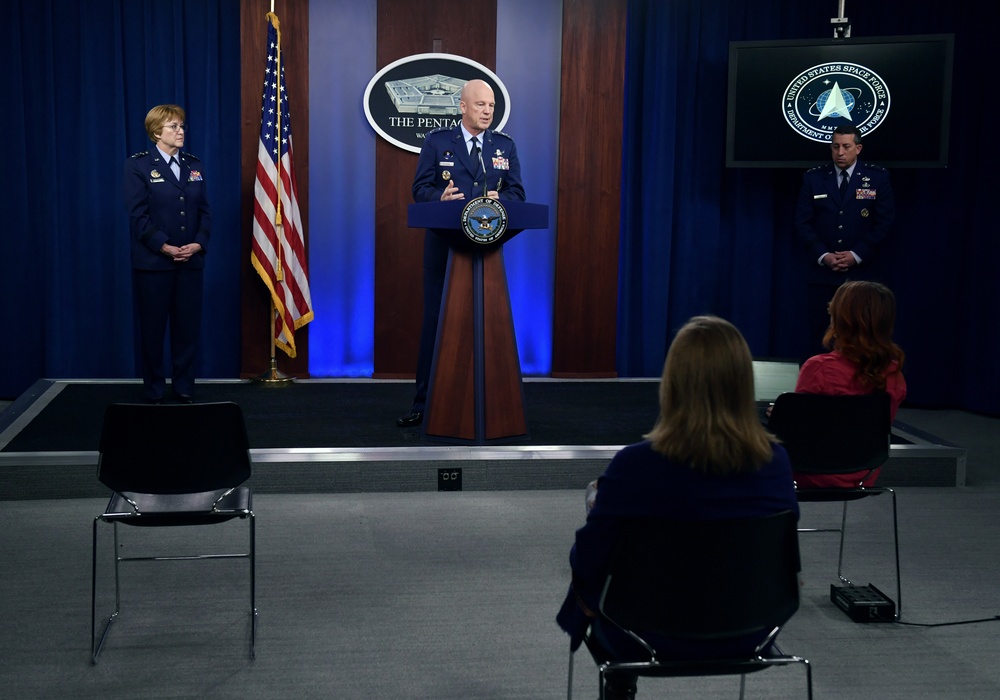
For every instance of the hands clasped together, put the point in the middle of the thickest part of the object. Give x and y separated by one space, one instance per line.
840 261
182 253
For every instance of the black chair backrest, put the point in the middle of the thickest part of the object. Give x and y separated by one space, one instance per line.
833 434
704 580
184 448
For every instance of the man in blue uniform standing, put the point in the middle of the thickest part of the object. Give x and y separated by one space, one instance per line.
460 163
169 222
843 215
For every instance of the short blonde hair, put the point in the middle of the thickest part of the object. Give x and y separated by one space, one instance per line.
708 418
158 116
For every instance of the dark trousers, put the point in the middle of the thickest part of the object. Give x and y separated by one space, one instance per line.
435 267
171 297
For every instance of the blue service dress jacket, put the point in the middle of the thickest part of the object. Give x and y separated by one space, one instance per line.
826 223
162 209
444 157
642 483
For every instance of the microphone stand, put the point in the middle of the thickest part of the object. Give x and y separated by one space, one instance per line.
479 152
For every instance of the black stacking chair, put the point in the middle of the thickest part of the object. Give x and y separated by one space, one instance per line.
837 435
710 580
173 465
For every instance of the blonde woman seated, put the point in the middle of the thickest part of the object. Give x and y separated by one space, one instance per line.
707 458
863 360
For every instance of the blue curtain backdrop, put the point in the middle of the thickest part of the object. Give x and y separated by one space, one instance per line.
84 75
696 237
699 238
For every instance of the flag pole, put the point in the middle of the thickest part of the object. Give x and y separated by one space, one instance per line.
278 227
272 376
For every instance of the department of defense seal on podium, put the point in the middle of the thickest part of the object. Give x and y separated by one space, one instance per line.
484 220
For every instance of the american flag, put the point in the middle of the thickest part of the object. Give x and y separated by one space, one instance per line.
279 254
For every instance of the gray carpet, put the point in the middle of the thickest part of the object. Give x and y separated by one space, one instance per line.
452 595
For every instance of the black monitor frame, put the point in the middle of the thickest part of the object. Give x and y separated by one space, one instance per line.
915 70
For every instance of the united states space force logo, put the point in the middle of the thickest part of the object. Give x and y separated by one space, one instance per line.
829 95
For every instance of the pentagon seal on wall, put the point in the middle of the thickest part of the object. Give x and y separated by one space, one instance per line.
411 97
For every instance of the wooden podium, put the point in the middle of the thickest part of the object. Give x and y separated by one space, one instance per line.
475 395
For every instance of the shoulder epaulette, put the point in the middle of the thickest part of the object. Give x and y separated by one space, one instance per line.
506 136
440 128
876 167
818 167
140 154
190 156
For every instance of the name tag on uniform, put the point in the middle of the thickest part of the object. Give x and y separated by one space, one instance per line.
865 194
819 196
446 164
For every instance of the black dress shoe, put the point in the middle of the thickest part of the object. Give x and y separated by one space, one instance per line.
183 398
411 419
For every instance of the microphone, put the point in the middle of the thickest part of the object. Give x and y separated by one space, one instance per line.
479 152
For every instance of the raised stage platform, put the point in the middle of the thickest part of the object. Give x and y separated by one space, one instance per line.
311 436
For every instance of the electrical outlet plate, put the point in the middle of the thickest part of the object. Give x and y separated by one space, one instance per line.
450 479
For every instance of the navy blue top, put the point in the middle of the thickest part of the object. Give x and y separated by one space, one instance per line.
163 209
642 483
825 222
445 157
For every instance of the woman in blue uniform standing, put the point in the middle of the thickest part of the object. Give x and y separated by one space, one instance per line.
169 223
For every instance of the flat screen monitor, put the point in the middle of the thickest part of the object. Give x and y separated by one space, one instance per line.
771 378
785 99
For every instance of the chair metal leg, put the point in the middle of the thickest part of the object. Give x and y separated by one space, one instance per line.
569 681
253 588
840 559
809 677
97 642
743 684
895 543
93 595
895 538
97 645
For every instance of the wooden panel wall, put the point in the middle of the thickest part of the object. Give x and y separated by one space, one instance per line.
589 191
255 356
424 26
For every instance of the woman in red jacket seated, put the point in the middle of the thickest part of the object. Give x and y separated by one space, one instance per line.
864 359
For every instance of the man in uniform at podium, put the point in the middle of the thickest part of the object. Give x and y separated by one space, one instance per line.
461 163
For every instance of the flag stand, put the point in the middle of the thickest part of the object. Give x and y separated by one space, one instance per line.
273 377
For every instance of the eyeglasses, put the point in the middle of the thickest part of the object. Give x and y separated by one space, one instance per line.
176 127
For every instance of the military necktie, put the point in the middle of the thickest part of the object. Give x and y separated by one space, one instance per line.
476 154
